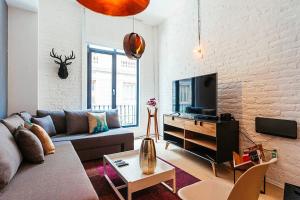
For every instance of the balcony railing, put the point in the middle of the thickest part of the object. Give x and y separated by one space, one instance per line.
127 113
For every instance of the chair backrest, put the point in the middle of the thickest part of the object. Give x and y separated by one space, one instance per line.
249 184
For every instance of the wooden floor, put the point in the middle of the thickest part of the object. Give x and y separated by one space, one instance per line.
202 169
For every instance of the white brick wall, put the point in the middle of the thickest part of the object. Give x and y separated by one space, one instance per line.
254 46
60 27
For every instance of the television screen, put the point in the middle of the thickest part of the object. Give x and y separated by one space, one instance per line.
197 95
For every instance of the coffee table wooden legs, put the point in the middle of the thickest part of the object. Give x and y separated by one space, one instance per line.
116 189
174 188
129 192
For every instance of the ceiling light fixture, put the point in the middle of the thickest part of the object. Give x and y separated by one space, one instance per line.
134 45
116 7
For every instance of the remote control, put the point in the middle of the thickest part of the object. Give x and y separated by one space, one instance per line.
123 165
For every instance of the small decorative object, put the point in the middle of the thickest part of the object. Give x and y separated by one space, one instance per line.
148 156
152 102
116 7
152 113
256 153
134 45
63 69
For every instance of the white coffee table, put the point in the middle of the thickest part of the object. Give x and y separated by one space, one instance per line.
132 175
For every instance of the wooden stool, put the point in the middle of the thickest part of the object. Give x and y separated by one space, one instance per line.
152 115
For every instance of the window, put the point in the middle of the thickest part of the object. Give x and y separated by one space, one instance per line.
113 83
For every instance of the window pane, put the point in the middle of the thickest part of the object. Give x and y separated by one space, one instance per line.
127 90
101 85
101 47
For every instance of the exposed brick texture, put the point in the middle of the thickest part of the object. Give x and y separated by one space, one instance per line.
254 46
60 25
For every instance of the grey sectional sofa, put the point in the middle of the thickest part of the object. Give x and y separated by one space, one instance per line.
62 176
89 146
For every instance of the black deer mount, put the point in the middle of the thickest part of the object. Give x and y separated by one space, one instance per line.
63 65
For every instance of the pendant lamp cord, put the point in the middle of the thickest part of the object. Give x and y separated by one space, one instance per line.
133 23
199 22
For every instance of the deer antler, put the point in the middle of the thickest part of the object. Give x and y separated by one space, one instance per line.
54 55
71 57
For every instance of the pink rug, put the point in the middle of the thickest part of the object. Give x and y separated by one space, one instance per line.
94 170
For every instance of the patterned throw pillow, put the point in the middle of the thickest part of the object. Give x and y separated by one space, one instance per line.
97 122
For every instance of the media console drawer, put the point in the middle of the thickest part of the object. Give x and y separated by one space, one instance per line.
205 128
174 121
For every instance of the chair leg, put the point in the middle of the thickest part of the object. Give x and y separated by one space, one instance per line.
264 191
214 168
167 145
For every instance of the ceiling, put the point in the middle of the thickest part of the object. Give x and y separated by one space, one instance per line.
30 5
158 11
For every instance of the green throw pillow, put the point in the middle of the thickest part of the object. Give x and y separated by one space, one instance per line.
97 122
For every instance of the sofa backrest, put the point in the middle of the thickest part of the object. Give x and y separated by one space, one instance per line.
13 122
10 155
58 118
74 122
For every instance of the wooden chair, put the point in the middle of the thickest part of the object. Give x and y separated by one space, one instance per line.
246 188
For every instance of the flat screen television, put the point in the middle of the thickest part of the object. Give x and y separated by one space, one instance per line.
196 95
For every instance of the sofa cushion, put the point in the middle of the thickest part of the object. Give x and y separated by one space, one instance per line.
43 136
89 141
10 156
112 117
60 177
97 122
26 116
46 123
13 122
77 122
58 117
30 145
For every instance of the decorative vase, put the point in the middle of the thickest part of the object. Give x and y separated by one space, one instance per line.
148 156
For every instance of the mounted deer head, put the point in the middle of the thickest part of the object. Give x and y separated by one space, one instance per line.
63 70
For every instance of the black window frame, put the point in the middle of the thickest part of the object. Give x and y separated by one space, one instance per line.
114 52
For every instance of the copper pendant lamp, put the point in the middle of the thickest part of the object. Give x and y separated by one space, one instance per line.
116 7
134 45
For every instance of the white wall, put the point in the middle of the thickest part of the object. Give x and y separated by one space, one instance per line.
254 46
22 60
60 27
65 26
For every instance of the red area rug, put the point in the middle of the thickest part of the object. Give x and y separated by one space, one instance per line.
94 170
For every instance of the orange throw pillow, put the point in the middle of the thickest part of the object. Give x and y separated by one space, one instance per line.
45 139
